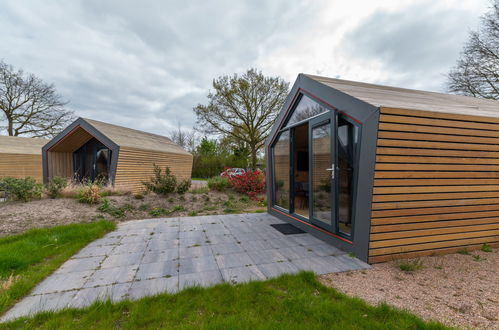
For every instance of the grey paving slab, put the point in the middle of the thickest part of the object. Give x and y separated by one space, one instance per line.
157 270
157 256
199 264
120 260
63 282
108 276
256 245
195 251
276 269
204 279
80 265
266 256
297 252
234 260
147 257
242 274
155 286
226 248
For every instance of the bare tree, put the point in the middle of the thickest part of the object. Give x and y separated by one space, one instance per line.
243 107
184 138
29 106
477 71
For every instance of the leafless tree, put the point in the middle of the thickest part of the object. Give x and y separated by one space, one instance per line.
244 107
29 106
477 71
184 138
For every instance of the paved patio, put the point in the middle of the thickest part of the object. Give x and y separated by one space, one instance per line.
148 257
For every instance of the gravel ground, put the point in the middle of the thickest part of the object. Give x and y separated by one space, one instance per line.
17 217
454 289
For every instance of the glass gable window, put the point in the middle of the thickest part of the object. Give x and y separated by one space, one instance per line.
280 156
348 139
306 108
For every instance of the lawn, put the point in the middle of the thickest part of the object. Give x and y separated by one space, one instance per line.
288 302
28 258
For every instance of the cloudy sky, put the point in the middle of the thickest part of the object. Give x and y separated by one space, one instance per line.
145 64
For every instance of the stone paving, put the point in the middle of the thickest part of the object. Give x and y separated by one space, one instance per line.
148 257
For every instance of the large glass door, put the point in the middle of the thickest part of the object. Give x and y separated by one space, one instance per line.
322 171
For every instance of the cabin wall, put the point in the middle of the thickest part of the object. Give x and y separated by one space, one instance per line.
60 164
136 165
436 187
21 166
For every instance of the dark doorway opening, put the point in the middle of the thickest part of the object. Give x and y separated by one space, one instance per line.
91 162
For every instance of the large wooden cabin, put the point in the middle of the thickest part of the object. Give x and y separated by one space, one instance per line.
386 172
90 150
21 157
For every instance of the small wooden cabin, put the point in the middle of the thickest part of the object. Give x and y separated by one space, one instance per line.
21 157
386 172
89 150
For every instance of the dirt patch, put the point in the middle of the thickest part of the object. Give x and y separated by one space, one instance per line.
454 289
17 217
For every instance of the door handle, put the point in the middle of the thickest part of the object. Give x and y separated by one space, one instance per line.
332 169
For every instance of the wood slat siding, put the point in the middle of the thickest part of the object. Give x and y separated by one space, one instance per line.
136 166
21 166
436 187
60 164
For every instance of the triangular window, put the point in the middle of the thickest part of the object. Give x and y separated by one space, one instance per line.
305 109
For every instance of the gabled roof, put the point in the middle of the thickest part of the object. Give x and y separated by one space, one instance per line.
128 137
401 98
21 145
82 130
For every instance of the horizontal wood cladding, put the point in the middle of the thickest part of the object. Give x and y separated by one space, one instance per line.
21 166
436 186
136 166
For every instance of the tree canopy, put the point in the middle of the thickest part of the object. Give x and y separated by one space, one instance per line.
29 106
477 70
243 107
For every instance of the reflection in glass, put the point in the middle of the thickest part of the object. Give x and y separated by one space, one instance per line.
348 135
306 108
300 175
280 156
321 176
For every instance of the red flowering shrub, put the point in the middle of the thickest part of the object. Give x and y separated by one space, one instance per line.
251 183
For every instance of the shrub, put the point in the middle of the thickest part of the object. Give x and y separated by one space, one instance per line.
218 183
158 211
21 189
117 212
184 186
410 265
55 186
251 183
89 194
486 248
178 208
162 183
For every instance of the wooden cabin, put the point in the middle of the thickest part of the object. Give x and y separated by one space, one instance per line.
385 172
21 157
89 150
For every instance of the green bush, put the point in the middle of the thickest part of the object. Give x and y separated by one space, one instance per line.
218 183
162 183
158 211
90 194
183 186
55 186
21 189
115 211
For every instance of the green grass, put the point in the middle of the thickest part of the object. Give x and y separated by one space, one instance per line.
288 302
28 258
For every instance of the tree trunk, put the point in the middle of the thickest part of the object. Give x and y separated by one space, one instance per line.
253 158
10 128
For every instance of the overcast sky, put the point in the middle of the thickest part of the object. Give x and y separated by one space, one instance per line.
145 64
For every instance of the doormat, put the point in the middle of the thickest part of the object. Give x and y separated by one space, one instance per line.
287 229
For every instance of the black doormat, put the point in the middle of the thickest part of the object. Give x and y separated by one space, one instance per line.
287 229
